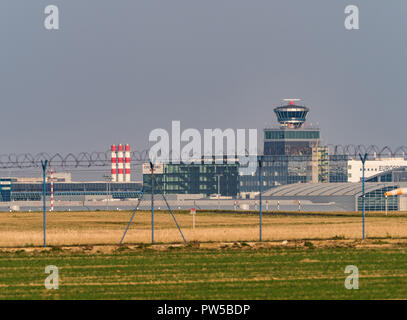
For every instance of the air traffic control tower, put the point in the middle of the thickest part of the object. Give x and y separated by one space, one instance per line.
293 145
292 138
293 153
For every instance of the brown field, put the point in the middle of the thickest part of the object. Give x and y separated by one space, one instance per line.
91 228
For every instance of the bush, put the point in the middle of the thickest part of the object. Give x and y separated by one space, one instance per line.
309 244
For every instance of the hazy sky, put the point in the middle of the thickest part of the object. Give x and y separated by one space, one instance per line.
118 69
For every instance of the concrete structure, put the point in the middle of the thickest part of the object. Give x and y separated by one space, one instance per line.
290 151
120 164
372 167
127 175
394 175
323 164
293 154
57 177
114 163
347 196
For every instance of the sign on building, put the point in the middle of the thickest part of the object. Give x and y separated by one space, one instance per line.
158 168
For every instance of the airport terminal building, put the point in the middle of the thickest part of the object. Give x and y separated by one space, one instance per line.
14 189
346 196
295 167
196 178
293 154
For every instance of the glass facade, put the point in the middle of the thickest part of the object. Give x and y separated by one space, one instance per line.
376 201
290 142
5 190
298 134
294 156
33 191
291 115
279 170
287 114
196 179
395 175
294 148
338 168
290 156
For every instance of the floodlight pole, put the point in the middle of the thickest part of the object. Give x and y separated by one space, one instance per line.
172 214
132 216
260 191
363 159
152 208
152 201
44 204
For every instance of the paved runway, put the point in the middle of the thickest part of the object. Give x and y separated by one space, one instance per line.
159 204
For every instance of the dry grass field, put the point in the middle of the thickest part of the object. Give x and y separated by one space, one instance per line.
222 259
23 229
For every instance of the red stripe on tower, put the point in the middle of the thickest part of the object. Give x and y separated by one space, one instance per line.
114 172
127 164
120 163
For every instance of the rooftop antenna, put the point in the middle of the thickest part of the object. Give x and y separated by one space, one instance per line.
291 101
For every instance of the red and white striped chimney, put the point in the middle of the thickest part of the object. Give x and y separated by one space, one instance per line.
114 172
120 163
127 163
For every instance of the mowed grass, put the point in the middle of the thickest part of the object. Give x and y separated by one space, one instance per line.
190 273
82 228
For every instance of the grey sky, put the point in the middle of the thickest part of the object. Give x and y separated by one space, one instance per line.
118 69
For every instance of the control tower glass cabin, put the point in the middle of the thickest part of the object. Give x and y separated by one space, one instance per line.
292 138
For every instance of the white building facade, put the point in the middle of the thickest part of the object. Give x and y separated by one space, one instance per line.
372 167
